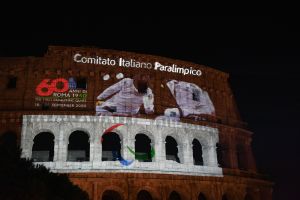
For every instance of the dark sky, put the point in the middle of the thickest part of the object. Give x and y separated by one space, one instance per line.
261 54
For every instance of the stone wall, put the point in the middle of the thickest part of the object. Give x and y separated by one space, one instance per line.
61 126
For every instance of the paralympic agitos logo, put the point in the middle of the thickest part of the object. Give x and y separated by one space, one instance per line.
138 156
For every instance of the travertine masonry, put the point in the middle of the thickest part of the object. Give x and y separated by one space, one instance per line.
61 126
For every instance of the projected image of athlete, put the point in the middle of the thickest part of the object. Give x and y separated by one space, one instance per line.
191 100
126 97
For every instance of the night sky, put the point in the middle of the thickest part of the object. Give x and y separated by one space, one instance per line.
261 54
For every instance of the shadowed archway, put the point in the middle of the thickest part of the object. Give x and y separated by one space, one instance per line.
79 147
197 152
171 149
201 197
174 196
111 147
224 197
144 195
111 195
43 147
143 148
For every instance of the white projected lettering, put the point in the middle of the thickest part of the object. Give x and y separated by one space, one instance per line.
132 63
173 68
96 60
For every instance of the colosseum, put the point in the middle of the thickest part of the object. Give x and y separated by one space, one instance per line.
127 126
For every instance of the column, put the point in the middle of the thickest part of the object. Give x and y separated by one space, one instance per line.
92 142
62 147
152 145
181 152
56 149
232 157
159 147
91 158
98 128
188 153
210 155
95 191
128 141
97 146
24 145
232 154
27 148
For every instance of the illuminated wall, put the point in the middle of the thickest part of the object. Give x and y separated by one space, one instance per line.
129 86
63 159
125 98
185 112
61 92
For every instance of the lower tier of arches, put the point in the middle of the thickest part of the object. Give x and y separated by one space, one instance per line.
131 186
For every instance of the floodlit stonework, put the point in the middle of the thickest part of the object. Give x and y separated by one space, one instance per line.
39 96
63 125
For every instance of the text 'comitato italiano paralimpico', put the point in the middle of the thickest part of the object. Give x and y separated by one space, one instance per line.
132 63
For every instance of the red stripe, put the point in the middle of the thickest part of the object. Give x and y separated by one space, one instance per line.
110 129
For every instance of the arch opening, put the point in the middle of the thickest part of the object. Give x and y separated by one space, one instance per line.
111 147
224 197
144 195
78 147
201 196
197 152
111 195
43 147
174 196
171 149
220 157
143 148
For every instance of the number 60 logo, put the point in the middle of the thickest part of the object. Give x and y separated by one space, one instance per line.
47 87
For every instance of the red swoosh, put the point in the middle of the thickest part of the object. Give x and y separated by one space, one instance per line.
110 129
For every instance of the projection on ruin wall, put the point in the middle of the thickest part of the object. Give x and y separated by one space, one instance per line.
132 104
61 93
128 95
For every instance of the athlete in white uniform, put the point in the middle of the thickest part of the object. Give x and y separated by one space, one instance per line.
128 96
191 99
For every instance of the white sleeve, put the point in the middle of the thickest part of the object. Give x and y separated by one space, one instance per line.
148 100
209 103
112 89
171 86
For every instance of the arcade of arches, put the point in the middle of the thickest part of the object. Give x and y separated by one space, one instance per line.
166 187
80 147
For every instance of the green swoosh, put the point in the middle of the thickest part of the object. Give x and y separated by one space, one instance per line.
141 156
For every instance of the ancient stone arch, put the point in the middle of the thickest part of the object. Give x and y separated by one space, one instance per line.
123 194
94 127
67 136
